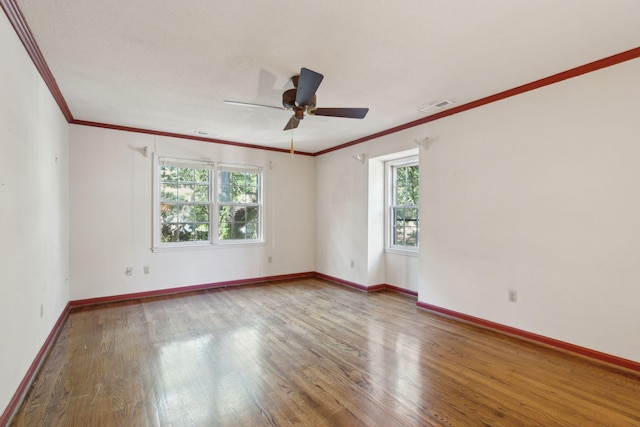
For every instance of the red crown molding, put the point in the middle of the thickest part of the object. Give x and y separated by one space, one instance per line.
530 336
565 75
16 18
181 136
30 376
19 23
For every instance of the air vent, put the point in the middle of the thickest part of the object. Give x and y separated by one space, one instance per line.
434 106
206 134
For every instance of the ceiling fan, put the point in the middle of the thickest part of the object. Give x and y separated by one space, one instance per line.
302 99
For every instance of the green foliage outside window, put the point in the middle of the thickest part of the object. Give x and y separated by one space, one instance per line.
238 205
184 204
405 205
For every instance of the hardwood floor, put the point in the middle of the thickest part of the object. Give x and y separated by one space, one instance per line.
310 353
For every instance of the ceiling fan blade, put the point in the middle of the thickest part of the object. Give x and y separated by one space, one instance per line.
248 104
351 113
292 123
307 85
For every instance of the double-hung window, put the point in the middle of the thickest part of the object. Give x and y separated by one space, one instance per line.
239 201
199 204
185 201
403 210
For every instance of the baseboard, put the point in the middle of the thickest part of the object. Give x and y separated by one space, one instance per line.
401 290
254 281
30 376
608 359
372 288
28 379
185 289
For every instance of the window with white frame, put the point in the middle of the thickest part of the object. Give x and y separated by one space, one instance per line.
403 204
185 201
239 202
196 206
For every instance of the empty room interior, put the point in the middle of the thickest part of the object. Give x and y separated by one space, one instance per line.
320 213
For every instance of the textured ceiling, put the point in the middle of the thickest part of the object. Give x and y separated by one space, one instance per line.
167 66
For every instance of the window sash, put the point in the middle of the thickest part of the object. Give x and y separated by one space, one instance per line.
184 201
239 203
403 209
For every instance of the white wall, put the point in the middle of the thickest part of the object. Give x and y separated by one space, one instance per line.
34 260
540 193
350 215
111 184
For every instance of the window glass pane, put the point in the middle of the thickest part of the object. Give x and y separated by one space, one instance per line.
201 213
202 175
239 214
185 193
169 232
185 214
201 193
168 192
186 233
252 213
413 185
224 231
202 232
186 175
411 214
168 174
401 195
237 192
398 236
411 236
251 231
224 193
237 231
252 195
225 213
168 213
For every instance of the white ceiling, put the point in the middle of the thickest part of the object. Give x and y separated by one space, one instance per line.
167 66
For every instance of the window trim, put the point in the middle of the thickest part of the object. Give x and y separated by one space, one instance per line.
216 210
158 246
388 177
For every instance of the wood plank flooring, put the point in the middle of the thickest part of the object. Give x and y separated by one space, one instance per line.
310 353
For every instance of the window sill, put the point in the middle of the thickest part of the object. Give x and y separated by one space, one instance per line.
404 252
205 246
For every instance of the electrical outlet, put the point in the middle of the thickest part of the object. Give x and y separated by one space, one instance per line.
145 269
129 271
41 310
269 259
352 264
513 295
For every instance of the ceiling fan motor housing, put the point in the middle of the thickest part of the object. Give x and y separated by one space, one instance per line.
289 101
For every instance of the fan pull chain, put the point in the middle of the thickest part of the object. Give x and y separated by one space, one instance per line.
291 149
